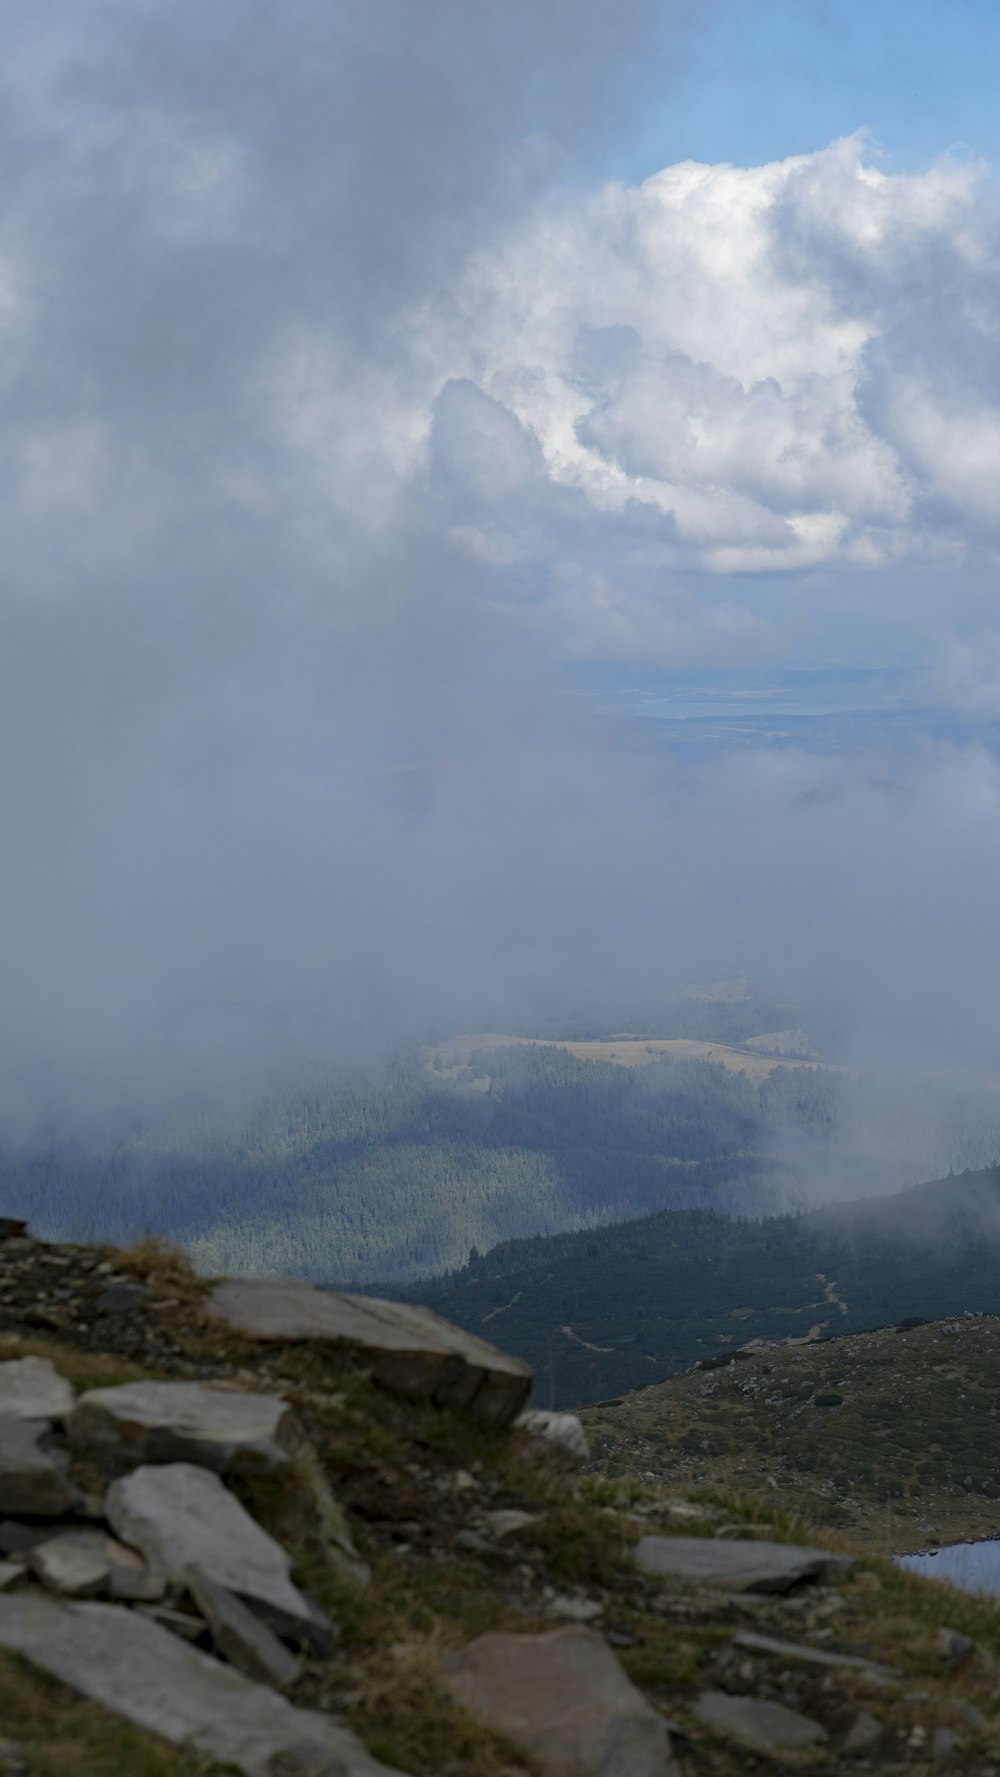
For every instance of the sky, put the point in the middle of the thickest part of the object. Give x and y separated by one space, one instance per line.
769 78
366 366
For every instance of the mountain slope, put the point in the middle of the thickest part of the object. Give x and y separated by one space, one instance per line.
616 1308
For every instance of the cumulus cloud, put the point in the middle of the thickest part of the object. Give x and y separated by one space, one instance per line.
747 370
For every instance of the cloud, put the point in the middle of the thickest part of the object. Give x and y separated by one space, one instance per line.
329 418
773 369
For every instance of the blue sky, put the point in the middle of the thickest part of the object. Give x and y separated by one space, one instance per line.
769 78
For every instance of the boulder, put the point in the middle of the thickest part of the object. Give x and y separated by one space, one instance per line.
756 1722
564 1430
736 1566
239 1636
152 1678
563 1698
218 1428
32 1477
32 1388
184 1517
405 1348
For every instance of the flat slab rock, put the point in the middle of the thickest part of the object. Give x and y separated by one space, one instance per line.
32 1477
151 1677
736 1566
564 1699
795 1652
182 1517
218 1428
32 1388
757 1722
406 1348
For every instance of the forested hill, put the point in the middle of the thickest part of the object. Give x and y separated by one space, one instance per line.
613 1309
401 1173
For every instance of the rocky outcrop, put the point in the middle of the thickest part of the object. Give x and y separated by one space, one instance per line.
404 1348
183 1517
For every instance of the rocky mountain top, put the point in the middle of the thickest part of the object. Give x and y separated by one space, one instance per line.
269 1529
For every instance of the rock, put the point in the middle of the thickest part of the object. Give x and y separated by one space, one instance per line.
405 1348
749 1642
238 1636
944 1742
88 1563
11 1228
218 1428
179 1622
473 1543
757 1723
32 1388
864 1732
562 1698
736 1566
121 1298
10 1573
508 1523
181 1516
32 1478
16 1538
563 1429
953 1647
142 1672
570 1609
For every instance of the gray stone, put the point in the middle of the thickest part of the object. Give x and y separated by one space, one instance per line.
864 1732
757 1723
32 1388
944 1742
736 1566
121 1298
564 1430
955 1647
142 1672
405 1348
179 1622
10 1573
181 1516
569 1607
509 1522
238 1636
798 1653
562 1698
87 1563
32 1478
218 1428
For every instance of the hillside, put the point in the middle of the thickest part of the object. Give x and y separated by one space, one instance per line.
396 1174
613 1309
891 1436
470 1607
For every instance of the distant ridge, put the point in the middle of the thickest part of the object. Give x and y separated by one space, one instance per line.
612 1309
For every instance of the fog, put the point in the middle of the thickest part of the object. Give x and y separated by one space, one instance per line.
342 404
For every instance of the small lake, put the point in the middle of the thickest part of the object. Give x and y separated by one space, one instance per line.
973 1567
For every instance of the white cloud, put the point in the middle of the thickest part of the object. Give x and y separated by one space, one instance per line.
778 368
